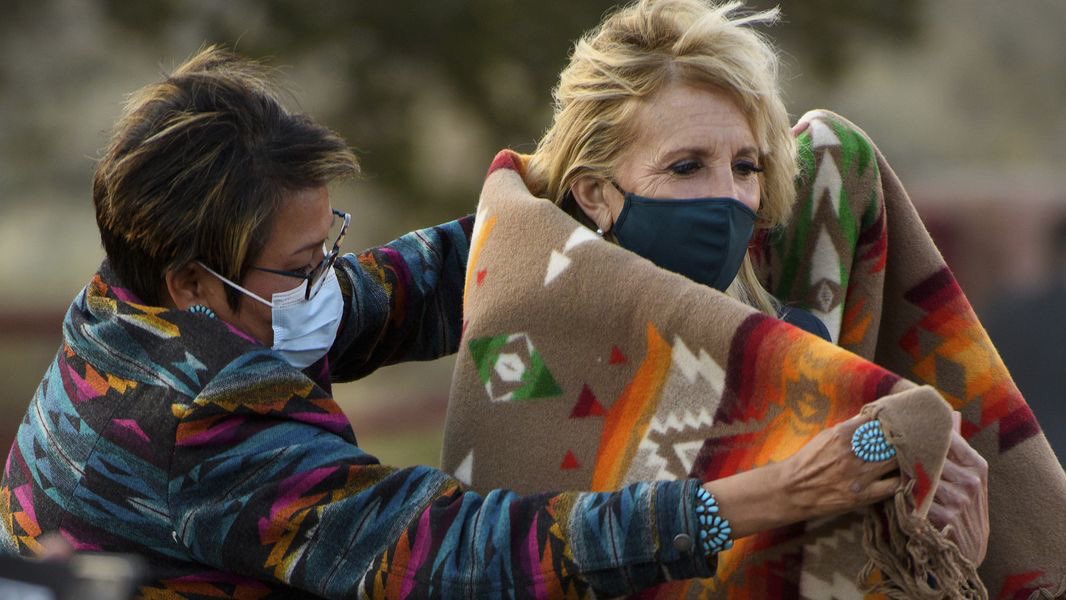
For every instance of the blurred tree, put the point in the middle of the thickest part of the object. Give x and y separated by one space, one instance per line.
823 35
416 73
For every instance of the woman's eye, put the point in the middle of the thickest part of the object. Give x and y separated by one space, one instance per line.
747 168
685 167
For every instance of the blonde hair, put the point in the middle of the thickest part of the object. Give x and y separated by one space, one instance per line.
635 53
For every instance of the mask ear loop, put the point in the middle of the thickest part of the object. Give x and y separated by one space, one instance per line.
614 183
248 293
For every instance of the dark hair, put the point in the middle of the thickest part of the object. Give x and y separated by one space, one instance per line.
197 167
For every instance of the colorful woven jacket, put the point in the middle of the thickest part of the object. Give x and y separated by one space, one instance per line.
170 435
584 365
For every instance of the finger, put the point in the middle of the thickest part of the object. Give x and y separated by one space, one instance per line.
950 495
956 421
56 547
969 479
969 484
940 516
853 423
879 490
848 427
957 447
960 451
877 470
800 127
952 471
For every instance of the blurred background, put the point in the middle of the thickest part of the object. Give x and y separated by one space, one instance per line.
966 98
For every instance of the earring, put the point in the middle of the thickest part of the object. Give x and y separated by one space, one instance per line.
599 232
200 309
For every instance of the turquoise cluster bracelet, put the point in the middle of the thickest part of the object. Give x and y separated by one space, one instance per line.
715 532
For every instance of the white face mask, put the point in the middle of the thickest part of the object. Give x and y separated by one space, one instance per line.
304 330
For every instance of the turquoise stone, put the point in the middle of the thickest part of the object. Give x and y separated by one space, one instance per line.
869 443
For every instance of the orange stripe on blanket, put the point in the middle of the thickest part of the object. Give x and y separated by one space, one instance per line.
481 234
856 323
779 385
628 418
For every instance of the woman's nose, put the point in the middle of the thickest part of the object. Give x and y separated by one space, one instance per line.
725 183
722 184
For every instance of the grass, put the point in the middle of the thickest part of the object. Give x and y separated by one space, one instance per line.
24 361
405 448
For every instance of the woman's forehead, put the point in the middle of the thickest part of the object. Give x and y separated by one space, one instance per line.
682 114
302 221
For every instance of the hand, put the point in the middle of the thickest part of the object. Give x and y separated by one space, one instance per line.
55 547
826 478
960 505
822 479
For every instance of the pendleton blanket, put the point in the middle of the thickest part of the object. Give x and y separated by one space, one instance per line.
584 366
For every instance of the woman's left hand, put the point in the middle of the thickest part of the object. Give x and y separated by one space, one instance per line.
960 505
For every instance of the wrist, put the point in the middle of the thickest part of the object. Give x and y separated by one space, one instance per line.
779 488
756 500
716 534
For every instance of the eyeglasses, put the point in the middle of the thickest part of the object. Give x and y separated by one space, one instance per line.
317 275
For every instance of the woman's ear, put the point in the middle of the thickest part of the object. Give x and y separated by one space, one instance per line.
184 287
590 194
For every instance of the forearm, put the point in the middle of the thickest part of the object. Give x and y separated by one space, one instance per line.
755 500
413 526
403 301
504 544
309 509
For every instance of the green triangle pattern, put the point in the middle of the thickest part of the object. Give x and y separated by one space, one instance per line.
856 149
485 352
537 381
805 153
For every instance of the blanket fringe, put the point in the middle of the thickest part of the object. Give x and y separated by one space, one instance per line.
1047 594
913 559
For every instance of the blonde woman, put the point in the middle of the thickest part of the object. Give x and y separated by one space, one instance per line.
676 100
670 138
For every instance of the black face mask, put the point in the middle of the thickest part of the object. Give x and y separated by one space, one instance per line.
704 239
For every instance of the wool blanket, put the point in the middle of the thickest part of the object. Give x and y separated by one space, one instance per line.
584 366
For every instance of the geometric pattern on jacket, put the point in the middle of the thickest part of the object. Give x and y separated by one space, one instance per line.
176 437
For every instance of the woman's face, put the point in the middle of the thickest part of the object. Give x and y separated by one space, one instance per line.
301 226
691 142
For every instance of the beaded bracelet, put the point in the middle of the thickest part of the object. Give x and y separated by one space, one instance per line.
715 531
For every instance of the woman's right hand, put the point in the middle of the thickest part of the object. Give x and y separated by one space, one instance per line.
826 477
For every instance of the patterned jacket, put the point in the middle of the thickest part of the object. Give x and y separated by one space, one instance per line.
176 437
